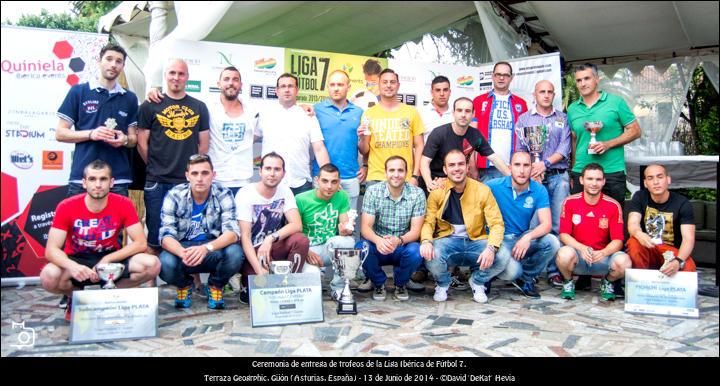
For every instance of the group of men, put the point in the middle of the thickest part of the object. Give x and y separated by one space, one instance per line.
425 205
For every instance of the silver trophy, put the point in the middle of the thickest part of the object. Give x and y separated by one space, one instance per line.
533 137
346 262
281 267
593 127
668 256
109 272
654 225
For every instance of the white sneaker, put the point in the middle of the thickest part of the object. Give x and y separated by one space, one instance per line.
235 282
440 294
379 293
478 292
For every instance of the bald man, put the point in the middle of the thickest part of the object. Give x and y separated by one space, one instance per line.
169 132
552 170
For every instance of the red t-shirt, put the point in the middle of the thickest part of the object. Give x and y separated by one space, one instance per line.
89 232
593 225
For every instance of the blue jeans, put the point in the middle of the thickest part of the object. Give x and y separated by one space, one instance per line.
462 251
558 187
537 257
601 267
154 196
74 189
322 250
222 264
406 259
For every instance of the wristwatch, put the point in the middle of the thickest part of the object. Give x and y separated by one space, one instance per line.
494 248
209 247
547 164
275 236
681 262
426 242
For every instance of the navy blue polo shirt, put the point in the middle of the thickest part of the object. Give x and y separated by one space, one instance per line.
518 208
89 105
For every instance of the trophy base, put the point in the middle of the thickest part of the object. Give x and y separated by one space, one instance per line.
347 308
591 151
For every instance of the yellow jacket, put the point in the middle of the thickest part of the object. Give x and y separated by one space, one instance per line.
479 208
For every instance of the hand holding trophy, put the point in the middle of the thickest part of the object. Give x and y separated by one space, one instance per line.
593 127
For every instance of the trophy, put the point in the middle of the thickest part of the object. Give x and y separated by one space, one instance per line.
282 267
366 126
111 123
654 225
109 272
593 127
668 256
346 262
352 215
533 137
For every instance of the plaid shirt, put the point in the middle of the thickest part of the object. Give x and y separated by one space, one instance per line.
393 217
219 217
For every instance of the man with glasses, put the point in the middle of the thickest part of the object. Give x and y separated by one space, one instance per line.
199 234
496 113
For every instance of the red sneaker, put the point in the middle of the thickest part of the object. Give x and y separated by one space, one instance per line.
68 311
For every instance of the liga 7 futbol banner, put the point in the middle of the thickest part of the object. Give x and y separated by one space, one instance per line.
38 68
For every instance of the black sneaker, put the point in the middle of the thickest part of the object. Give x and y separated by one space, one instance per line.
63 302
244 296
619 289
583 283
527 288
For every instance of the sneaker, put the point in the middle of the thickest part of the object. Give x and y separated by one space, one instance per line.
555 280
365 286
478 292
458 285
440 294
415 286
183 300
379 293
64 302
234 282
203 290
527 288
568 290
619 289
419 277
215 299
68 311
401 293
584 283
244 296
607 290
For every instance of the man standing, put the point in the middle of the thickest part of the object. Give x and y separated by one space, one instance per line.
438 112
199 234
339 120
591 227
496 113
260 210
392 216
391 128
619 127
105 118
453 232
520 199
324 214
169 133
288 130
660 221
85 233
552 169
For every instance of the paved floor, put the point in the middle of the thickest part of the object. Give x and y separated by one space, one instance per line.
509 325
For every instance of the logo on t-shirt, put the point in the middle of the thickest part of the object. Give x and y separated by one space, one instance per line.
91 106
603 223
576 218
233 134
528 203
179 120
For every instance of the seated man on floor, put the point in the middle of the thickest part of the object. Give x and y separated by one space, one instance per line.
85 233
392 215
453 232
199 234
666 215
591 227
324 214
261 208
520 198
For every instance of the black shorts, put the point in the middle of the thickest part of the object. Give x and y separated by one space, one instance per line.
90 260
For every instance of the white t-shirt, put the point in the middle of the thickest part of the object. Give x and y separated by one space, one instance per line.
501 127
265 214
432 118
231 144
290 133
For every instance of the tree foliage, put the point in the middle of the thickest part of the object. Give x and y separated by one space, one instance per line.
84 17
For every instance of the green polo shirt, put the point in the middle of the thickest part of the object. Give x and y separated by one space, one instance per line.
615 114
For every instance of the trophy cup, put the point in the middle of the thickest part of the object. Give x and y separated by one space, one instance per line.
654 225
352 215
533 137
109 272
346 262
282 267
366 127
111 123
593 127
668 256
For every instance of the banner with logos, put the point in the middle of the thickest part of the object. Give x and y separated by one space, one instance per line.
38 68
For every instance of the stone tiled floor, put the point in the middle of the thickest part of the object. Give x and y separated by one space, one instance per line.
509 325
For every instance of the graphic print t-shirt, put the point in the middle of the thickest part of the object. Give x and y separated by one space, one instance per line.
175 127
196 232
266 215
88 232
320 217
501 127
664 218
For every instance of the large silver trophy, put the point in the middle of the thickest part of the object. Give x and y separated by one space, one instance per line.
593 127
533 137
109 272
346 262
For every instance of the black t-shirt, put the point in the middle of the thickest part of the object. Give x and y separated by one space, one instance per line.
453 211
443 139
664 218
175 127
